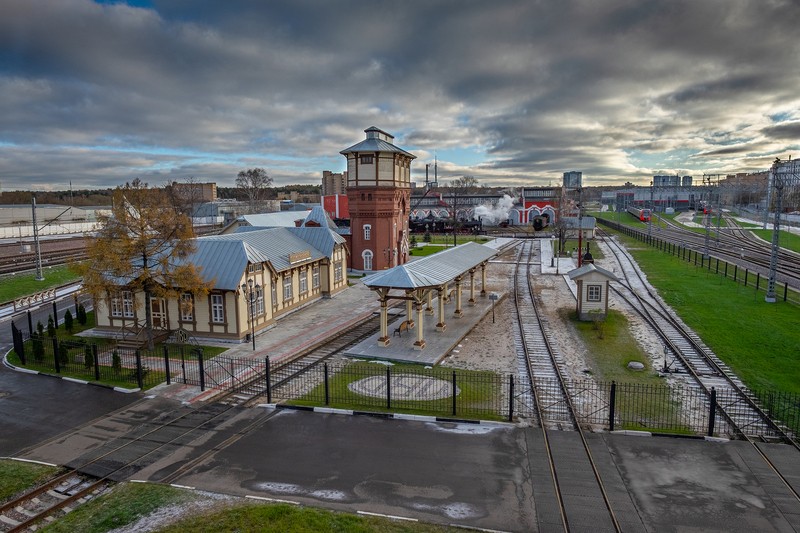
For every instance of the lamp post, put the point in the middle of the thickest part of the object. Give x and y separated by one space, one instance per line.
250 292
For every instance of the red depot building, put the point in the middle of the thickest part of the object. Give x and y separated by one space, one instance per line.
378 195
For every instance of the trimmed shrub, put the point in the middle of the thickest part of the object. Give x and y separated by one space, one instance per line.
51 327
116 361
81 315
88 359
68 321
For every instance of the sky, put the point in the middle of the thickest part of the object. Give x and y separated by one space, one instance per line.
510 92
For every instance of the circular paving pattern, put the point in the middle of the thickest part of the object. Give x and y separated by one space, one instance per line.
404 387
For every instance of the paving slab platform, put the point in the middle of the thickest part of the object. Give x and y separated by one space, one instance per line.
492 476
438 344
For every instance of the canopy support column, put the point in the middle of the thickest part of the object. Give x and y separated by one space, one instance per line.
429 308
441 326
420 342
384 339
409 312
458 313
483 279
471 300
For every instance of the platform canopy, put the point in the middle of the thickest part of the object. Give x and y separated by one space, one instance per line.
433 270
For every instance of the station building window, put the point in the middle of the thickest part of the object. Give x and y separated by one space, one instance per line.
315 277
217 309
187 307
303 281
338 272
287 287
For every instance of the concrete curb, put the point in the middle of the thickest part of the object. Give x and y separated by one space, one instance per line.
375 414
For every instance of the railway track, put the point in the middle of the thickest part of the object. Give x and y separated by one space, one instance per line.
740 410
554 409
92 474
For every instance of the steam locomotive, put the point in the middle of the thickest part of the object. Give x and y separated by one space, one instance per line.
540 222
641 214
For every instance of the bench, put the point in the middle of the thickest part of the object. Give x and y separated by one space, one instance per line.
401 328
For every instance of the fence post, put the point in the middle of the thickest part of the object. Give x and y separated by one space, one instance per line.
746 272
612 405
785 290
388 388
327 387
735 271
166 363
200 367
56 358
30 325
758 279
712 411
269 385
55 315
454 393
726 269
717 267
19 344
510 397
96 363
139 377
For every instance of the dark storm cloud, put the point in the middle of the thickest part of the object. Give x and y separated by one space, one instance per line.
788 132
103 93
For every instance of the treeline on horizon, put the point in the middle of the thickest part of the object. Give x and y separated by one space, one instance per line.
97 197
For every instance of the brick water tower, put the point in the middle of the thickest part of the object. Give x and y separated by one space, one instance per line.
378 194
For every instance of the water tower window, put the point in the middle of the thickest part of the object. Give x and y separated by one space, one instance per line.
366 159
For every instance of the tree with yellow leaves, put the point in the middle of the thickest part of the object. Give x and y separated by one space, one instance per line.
142 247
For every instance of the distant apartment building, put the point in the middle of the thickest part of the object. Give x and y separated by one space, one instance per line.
672 181
334 183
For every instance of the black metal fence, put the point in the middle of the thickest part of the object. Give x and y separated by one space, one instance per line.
718 266
444 392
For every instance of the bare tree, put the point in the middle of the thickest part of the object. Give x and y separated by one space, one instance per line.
460 189
254 182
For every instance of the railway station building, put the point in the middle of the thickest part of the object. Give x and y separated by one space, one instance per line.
284 268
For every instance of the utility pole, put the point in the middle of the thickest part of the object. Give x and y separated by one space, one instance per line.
791 170
39 274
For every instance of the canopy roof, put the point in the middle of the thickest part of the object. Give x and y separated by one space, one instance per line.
433 270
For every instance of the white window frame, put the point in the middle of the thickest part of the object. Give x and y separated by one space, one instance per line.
260 302
338 271
367 256
187 316
274 289
366 159
116 305
367 232
303 281
288 290
594 293
315 277
127 304
217 309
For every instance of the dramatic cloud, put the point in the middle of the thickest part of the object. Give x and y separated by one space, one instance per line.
513 92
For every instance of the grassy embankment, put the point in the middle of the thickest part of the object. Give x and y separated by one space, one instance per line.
130 502
18 285
17 477
758 340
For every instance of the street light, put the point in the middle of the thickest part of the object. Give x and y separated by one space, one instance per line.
250 293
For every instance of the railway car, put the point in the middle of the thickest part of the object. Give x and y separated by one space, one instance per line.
641 214
540 222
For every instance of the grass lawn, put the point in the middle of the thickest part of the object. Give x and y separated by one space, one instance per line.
16 286
421 251
787 240
127 503
757 339
461 239
476 397
611 348
18 476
